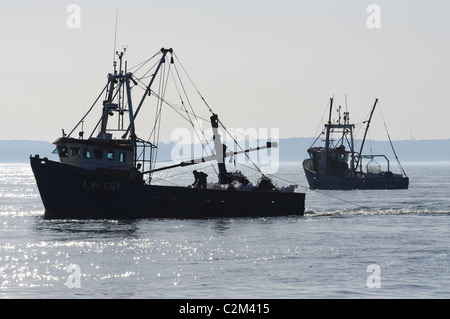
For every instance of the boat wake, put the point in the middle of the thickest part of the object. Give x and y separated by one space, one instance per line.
375 211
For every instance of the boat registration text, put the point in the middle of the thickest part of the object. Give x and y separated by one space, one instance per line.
106 186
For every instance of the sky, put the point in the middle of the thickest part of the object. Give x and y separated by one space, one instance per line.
258 63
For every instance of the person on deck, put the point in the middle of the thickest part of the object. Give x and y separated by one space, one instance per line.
200 179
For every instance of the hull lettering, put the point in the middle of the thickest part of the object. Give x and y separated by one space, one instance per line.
105 186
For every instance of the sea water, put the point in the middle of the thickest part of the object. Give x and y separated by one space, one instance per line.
349 244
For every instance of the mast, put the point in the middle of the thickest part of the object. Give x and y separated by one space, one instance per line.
147 91
130 111
119 86
107 104
219 147
352 144
327 137
358 162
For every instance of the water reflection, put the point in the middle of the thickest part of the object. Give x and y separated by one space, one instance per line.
85 229
221 225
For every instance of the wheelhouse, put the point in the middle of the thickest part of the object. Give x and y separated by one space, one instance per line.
94 153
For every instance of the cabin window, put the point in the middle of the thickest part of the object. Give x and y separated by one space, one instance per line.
75 151
98 153
110 156
122 157
61 151
86 153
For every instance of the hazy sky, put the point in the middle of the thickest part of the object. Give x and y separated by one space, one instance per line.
258 63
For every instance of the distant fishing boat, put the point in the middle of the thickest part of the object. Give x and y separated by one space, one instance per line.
110 177
338 166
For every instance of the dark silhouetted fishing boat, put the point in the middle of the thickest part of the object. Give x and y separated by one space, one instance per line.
337 167
110 177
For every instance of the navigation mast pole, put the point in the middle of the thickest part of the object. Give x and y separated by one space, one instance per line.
327 137
359 162
147 91
219 147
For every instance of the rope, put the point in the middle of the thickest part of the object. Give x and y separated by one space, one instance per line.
161 91
246 153
193 84
317 191
192 110
181 111
90 109
140 65
166 73
392 145
210 110
319 125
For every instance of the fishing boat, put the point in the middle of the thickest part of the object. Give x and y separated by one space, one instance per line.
108 175
338 166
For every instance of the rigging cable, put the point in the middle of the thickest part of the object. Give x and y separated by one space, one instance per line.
193 84
181 111
141 64
390 141
161 92
317 191
90 109
210 110
192 110
245 153
318 126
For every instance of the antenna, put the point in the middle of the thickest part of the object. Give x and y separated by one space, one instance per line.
115 40
346 107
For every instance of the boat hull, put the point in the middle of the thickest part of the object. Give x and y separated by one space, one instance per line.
322 181
70 192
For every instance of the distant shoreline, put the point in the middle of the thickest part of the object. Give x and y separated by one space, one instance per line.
289 150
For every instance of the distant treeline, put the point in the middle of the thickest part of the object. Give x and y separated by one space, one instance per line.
290 150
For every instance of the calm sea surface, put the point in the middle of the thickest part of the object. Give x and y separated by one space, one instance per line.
349 244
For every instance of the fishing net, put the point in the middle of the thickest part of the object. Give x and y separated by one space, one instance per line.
373 167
